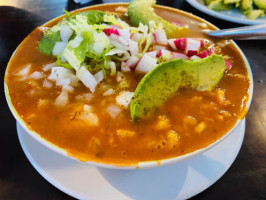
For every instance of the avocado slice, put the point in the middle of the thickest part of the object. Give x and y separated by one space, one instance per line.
141 11
261 4
246 5
165 79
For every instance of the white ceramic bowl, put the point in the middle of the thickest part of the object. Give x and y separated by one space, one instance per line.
140 165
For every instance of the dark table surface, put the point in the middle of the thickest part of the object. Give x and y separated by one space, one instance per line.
245 179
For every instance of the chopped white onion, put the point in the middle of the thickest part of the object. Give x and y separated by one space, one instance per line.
99 76
24 71
59 48
87 108
76 41
146 64
109 92
62 81
119 76
87 97
98 48
113 110
47 84
62 99
118 39
124 98
89 118
65 33
87 78
36 75
68 88
48 67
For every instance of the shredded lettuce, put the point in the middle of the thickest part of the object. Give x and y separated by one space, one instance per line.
116 21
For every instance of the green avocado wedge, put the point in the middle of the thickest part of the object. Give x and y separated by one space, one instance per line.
141 11
165 79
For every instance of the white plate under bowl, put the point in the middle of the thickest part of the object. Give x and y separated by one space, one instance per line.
233 15
176 181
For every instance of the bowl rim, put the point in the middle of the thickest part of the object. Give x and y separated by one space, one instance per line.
142 164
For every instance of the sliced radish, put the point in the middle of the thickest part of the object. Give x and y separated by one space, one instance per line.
203 54
181 43
153 40
202 44
124 33
210 51
133 47
165 54
193 47
151 54
194 57
125 67
228 65
59 48
119 45
146 64
62 81
171 43
160 36
136 36
65 33
176 55
118 39
132 62
109 31
87 78
158 47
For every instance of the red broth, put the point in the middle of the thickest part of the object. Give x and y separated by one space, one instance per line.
188 121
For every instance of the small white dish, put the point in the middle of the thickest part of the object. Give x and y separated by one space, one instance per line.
176 181
233 15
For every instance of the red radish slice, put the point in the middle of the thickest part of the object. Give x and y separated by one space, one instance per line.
227 65
193 47
181 43
203 54
109 31
133 47
151 54
153 40
202 43
146 64
194 57
210 51
176 55
124 33
132 62
158 47
163 53
125 67
172 44
160 36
